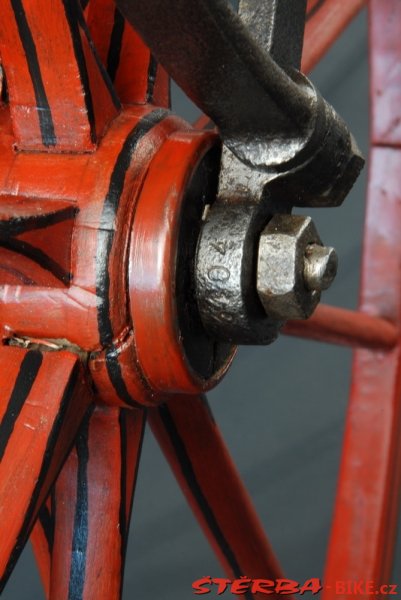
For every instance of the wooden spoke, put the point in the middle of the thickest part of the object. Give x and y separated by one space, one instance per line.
80 539
346 328
326 20
46 113
133 70
195 450
43 400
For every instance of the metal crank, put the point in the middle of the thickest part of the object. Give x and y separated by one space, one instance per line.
256 266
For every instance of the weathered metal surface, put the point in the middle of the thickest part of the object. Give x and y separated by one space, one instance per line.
178 41
244 294
248 197
272 120
277 26
225 275
320 267
325 21
283 286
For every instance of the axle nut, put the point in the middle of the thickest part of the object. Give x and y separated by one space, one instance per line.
293 267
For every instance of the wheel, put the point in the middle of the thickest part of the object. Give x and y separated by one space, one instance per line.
38 350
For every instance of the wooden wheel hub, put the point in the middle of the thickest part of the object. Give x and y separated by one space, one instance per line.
85 267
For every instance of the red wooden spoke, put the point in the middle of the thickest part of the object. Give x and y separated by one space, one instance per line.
43 400
34 183
326 19
28 229
46 113
92 503
134 72
80 537
195 450
346 328
365 520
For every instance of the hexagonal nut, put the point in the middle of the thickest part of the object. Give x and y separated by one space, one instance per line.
280 268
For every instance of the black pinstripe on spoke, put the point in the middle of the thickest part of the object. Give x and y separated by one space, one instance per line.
43 108
113 94
116 39
197 493
44 471
21 224
28 371
81 519
38 256
20 276
105 243
18 225
46 520
72 10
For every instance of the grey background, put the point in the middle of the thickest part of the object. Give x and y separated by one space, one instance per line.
280 408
